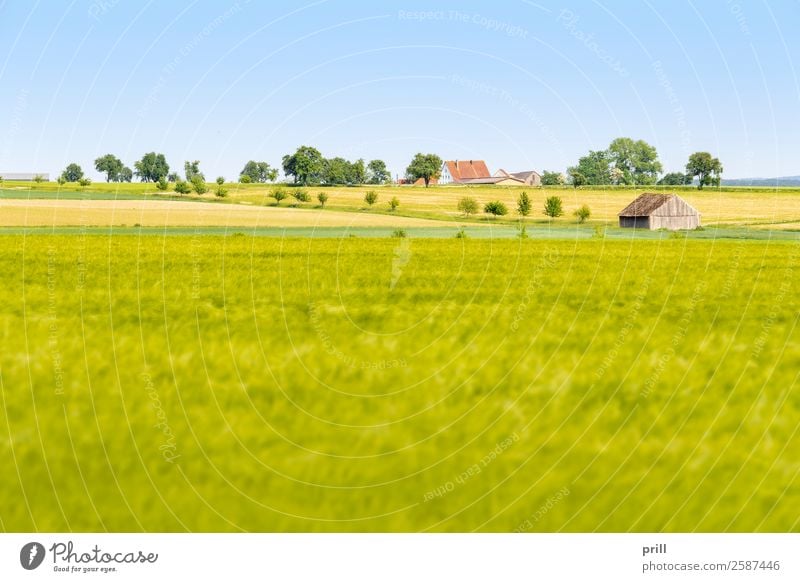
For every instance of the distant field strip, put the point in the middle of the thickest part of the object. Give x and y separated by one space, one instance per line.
181 213
776 209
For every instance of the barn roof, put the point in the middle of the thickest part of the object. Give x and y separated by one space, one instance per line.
646 204
466 170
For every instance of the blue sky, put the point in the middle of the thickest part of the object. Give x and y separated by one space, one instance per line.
523 85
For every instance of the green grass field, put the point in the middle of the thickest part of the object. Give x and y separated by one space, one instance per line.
209 383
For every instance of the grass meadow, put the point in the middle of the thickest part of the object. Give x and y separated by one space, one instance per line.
227 383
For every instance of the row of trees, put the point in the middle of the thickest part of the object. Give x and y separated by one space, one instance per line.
634 163
308 166
624 162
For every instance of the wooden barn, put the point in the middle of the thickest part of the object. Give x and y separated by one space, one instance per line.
655 211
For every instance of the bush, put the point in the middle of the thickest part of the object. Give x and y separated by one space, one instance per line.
279 194
371 197
323 198
524 204
220 192
461 233
61 180
301 195
399 233
495 208
245 179
553 207
84 182
182 187
162 184
199 185
552 178
582 213
394 203
220 181
467 206
38 178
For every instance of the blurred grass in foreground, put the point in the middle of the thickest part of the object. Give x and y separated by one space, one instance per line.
236 383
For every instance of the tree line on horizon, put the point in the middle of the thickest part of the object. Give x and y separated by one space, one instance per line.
625 162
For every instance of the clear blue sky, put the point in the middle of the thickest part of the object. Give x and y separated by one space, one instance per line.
523 85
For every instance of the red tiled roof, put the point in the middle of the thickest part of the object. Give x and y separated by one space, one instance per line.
467 169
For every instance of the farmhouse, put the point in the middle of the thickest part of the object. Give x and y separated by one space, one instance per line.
654 211
529 178
463 172
477 172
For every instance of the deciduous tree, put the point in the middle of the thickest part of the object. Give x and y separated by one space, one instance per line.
152 167
305 165
425 166
111 166
704 167
72 173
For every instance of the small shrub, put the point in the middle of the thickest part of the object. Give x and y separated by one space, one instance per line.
399 233
524 204
495 208
61 180
84 182
394 203
220 181
245 179
301 195
553 207
279 194
220 192
523 231
467 206
323 198
582 213
182 187
162 184
199 185
461 233
599 231
371 197
38 178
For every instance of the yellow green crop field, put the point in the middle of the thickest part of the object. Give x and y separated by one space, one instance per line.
228 383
